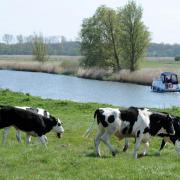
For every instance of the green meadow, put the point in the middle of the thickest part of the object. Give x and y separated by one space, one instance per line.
72 156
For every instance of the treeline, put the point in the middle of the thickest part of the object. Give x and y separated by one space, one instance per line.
72 48
163 50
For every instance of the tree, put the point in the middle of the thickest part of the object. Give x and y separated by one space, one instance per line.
40 49
99 36
7 38
19 39
134 36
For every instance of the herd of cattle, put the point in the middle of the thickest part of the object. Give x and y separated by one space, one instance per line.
140 123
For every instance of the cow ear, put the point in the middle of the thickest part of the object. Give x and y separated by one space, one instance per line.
54 120
169 116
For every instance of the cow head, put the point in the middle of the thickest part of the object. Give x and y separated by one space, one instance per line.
168 125
57 128
161 123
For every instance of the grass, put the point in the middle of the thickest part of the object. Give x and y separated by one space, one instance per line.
159 63
72 157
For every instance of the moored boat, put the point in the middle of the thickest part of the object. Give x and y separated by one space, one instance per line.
167 82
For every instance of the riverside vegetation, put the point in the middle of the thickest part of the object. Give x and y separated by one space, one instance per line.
70 65
73 157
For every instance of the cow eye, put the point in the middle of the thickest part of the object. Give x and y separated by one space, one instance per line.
58 124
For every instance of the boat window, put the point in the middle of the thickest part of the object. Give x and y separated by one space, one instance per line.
174 79
162 78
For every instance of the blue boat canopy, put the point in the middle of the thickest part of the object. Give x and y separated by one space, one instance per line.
169 77
168 74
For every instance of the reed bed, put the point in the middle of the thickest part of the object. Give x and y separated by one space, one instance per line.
143 76
70 66
55 67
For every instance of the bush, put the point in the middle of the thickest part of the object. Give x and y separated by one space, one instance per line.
177 58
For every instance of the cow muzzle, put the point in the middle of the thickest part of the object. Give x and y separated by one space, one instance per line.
172 133
59 135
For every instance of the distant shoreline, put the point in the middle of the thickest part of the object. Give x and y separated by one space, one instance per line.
70 66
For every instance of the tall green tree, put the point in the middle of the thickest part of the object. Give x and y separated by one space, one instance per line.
99 35
40 48
134 37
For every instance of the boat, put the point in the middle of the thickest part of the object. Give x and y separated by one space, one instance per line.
167 82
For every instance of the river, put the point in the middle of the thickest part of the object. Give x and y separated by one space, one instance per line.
84 90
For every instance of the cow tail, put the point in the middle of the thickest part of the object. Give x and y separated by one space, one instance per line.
89 130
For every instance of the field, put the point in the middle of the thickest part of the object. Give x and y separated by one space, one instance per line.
72 157
165 62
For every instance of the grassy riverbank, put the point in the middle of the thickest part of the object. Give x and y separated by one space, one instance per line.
72 157
69 65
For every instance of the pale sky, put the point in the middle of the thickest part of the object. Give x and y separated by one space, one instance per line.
64 17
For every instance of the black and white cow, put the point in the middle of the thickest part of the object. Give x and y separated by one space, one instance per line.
166 135
40 111
132 122
175 139
29 122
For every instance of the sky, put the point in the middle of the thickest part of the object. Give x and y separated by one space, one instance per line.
64 17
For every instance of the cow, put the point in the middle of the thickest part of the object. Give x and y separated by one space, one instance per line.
40 111
29 122
175 139
132 122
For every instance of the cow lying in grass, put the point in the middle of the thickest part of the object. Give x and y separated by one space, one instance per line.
40 111
29 122
133 122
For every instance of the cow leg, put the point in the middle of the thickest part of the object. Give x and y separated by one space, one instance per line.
105 139
163 143
28 139
42 140
126 144
46 139
18 135
136 147
5 134
146 146
177 147
97 141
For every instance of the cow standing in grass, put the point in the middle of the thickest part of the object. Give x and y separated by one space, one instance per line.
133 122
175 139
31 123
40 111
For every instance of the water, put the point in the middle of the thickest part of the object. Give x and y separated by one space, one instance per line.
84 90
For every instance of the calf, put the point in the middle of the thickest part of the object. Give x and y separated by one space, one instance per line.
132 122
175 139
29 122
40 111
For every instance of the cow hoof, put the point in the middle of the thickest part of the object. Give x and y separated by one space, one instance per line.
135 156
143 154
113 153
157 153
125 148
98 155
